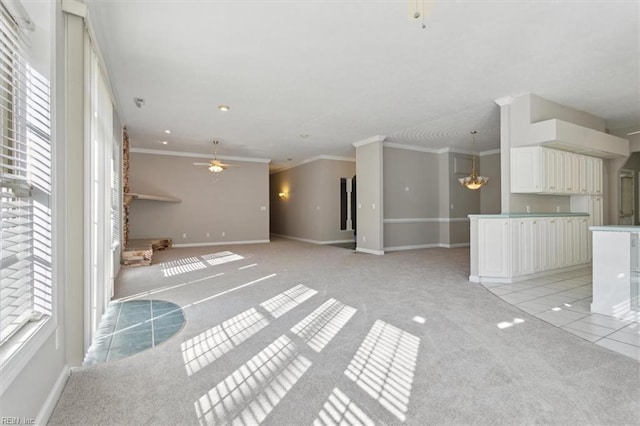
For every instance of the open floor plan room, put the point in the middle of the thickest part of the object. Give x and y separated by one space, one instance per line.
290 333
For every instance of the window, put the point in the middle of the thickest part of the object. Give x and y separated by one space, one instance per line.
25 184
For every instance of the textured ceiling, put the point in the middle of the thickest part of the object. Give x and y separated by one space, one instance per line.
344 71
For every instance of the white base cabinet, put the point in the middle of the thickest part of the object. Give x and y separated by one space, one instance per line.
507 247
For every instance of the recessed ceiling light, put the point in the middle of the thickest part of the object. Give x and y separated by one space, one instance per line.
164 142
167 131
224 107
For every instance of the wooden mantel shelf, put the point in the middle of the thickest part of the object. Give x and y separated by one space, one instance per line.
130 196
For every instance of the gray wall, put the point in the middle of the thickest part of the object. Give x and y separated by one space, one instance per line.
411 187
490 202
434 209
235 201
411 198
370 211
311 210
542 109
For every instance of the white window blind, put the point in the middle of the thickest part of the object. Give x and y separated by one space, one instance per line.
116 204
25 184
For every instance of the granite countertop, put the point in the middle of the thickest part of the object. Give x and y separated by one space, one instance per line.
519 215
615 228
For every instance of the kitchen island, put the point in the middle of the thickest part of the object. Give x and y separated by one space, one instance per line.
511 247
616 271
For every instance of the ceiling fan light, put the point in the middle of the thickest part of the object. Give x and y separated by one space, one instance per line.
215 168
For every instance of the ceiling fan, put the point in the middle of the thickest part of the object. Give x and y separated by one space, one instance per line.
215 165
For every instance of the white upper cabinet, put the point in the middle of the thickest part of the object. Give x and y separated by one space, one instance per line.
525 170
541 170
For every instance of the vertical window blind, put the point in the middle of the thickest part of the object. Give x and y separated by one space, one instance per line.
25 184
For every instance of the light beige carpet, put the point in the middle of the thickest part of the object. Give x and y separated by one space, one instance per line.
289 333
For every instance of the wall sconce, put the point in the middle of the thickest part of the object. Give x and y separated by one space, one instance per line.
283 195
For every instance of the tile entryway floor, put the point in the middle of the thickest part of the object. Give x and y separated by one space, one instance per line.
132 326
564 300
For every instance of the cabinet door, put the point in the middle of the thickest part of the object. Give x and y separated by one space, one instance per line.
584 166
573 173
494 248
597 185
564 246
549 170
596 210
525 170
555 238
569 242
528 246
543 245
581 236
595 219
564 172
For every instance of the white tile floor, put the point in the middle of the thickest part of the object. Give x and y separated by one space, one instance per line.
564 300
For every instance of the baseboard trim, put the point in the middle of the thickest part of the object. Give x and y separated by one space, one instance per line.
51 401
510 280
221 243
369 251
412 247
427 220
306 240
456 245
425 246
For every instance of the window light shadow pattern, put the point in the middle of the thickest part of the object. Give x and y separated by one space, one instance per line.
203 349
248 395
195 263
182 266
284 302
340 410
384 367
322 325
221 257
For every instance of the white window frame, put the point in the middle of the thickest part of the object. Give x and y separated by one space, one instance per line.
18 349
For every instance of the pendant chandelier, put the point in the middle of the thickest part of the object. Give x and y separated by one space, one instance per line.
473 181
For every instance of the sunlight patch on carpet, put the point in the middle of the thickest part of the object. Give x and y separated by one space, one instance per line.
384 367
196 263
284 302
323 324
340 410
203 349
219 258
250 393
181 266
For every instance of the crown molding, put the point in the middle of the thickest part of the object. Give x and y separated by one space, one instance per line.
197 155
507 100
490 152
312 159
367 141
411 147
